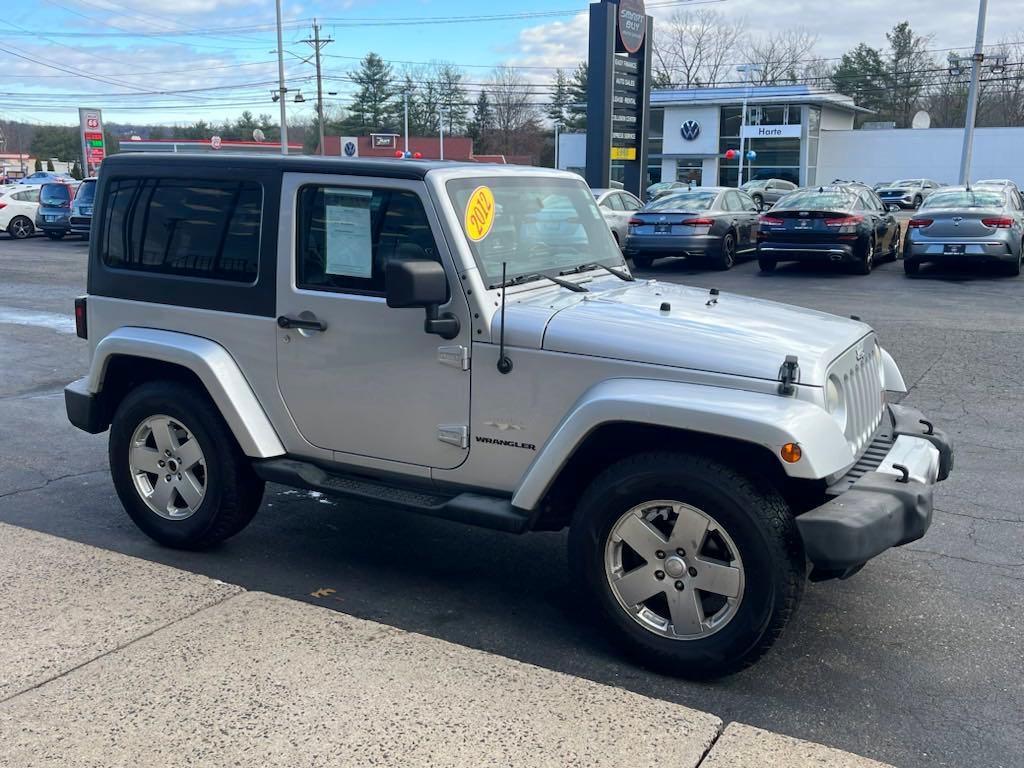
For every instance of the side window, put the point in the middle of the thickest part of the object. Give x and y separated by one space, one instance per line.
732 202
746 202
630 203
190 228
28 196
613 202
347 236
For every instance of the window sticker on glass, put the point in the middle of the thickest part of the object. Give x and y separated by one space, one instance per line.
479 214
349 242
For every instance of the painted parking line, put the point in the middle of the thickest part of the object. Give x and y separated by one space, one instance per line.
53 320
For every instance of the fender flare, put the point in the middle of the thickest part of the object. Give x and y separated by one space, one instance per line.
892 379
216 369
761 419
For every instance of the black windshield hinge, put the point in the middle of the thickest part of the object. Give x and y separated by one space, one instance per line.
789 374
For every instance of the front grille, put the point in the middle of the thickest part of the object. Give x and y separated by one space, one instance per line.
862 386
870 460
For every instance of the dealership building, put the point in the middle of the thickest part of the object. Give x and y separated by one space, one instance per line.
801 134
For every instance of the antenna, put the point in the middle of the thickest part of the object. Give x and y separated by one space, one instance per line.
504 364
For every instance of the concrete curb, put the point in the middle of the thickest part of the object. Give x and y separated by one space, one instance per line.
114 661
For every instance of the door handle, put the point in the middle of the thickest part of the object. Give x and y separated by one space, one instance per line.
308 323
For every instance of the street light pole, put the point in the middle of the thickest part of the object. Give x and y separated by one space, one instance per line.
745 70
442 113
280 79
405 106
558 125
972 96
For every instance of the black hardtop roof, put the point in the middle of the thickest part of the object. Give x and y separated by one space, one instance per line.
393 168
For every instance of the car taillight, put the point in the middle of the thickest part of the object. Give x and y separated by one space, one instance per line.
999 222
635 222
844 221
81 323
919 223
699 222
771 221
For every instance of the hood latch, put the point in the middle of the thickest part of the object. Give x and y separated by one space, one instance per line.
789 374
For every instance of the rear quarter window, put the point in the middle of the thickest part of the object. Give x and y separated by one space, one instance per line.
189 228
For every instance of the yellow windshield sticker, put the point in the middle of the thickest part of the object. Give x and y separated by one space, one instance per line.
479 213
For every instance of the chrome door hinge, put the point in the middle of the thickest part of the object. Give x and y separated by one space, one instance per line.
456 356
453 434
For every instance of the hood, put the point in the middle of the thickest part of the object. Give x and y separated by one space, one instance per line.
735 335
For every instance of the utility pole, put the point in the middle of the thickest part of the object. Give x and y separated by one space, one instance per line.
318 44
745 70
558 127
280 78
442 114
972 96
405 106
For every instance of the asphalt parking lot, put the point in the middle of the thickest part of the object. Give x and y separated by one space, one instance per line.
916 661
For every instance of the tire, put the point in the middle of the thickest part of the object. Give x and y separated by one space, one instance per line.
757 526
911 267
1013 269
727 255
897 244
767 265
759 202
866 263
917 202
230 491
55 235
20 227
642 262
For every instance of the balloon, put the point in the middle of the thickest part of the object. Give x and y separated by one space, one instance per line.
417 155
398 153
751 155
407 153
730 154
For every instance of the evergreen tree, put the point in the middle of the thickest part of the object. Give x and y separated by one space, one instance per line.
481 124
76 170
38 165
373 106
861 75
577 106
49 165
558 108
452 98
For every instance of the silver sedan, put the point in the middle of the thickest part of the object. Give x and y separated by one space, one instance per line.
967 225
617 207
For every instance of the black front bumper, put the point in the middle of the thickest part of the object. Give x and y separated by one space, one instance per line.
878 512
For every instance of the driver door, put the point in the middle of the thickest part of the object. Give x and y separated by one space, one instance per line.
372 383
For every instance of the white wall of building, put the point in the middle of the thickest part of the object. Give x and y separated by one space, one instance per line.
836 119
705 144
572 150
933 153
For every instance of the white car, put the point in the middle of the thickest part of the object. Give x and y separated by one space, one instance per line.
617 206
18 206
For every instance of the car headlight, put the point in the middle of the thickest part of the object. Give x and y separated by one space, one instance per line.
835 400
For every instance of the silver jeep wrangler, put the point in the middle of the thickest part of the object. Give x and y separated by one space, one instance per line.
467 342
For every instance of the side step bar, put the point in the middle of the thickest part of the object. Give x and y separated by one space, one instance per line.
478 509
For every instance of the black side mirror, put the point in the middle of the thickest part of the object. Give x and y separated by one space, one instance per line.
421 283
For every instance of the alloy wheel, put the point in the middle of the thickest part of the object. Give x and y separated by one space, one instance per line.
168 467
20 228
674 570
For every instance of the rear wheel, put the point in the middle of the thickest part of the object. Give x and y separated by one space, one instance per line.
767 265
867 261
692 566
1013 269
727 255
177 468
20 227
642 262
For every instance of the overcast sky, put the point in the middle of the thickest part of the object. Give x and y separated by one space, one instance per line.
132 46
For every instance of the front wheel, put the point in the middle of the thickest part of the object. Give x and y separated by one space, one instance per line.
177 468
759 202
693 567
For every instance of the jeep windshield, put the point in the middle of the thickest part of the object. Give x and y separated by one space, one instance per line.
541 226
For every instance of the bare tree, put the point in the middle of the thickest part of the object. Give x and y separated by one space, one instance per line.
696 48
781 57
515 115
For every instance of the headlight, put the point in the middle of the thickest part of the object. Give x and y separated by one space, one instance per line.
835 400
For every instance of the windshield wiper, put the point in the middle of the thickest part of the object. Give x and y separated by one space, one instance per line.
596 265
540 276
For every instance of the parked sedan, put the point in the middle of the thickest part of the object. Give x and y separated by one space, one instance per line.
766 192
714 224
617 207
907 193
963 224
663 188
844 224
18 205
43 177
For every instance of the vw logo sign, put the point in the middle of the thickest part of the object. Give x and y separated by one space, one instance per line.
690 130
350 148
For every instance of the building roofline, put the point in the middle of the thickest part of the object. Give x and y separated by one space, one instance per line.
771 94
